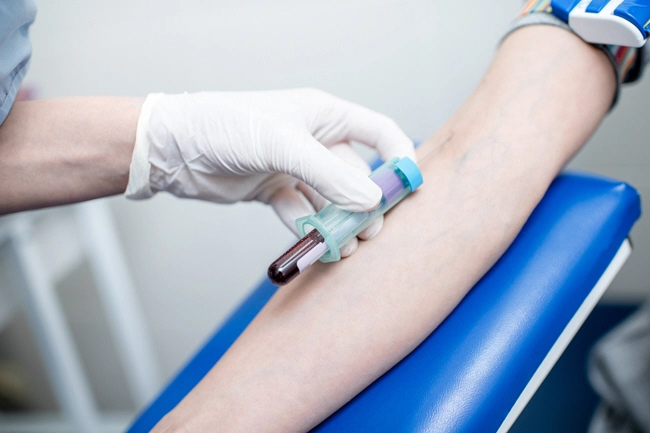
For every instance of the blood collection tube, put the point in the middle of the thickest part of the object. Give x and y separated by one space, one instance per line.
298 258
331 228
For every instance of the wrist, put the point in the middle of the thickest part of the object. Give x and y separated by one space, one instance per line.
139 174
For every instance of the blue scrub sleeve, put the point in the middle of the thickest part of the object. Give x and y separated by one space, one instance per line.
15 49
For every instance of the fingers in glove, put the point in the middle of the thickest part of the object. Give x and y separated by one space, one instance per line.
290 205
346 153
348 249
372 230
349 155
316 200
332 177
347 121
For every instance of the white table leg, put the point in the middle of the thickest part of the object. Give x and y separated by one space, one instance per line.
117 292
51 330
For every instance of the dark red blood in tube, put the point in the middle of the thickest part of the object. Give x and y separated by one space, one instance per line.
285 268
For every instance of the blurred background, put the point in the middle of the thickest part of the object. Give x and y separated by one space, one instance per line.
191 263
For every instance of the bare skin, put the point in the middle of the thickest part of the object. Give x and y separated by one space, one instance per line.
60 151
333 331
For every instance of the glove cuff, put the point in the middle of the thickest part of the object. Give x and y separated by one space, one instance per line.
139 186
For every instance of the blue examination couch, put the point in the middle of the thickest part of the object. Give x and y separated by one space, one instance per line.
477 371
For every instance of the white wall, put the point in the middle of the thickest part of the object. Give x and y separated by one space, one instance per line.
413 60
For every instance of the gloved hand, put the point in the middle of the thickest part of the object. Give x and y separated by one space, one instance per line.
267 146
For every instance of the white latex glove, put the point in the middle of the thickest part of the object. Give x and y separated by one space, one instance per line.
232 146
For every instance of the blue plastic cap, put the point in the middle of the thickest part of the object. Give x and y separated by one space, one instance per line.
411 172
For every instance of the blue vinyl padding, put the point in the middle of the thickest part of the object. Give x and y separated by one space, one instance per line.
466 376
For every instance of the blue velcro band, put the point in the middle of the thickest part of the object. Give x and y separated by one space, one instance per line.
561 8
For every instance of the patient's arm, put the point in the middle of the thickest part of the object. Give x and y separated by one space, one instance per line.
336 328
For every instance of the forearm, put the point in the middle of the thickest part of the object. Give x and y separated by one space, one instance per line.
66 150
334 330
